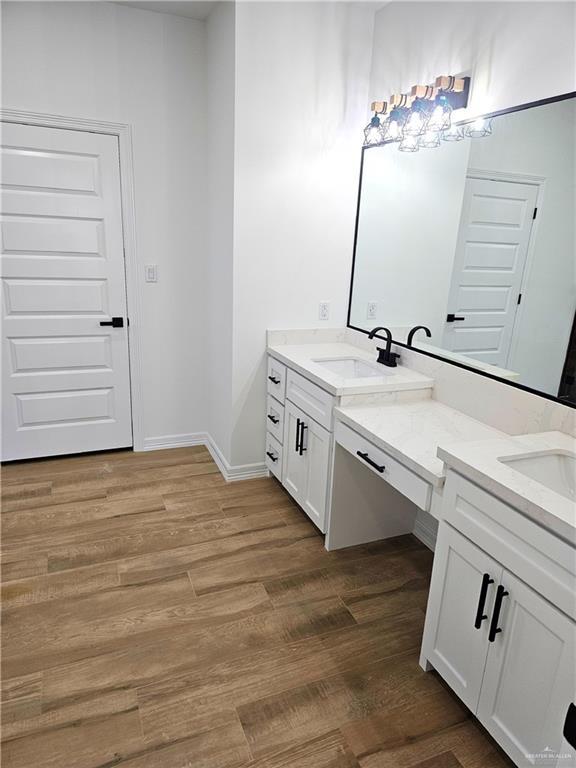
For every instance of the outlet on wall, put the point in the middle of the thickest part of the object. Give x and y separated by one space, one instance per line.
371 310
324 310
151 273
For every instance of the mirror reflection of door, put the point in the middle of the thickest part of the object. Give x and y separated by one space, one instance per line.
489 265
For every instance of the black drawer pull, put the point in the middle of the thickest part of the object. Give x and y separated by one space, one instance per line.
273 419
501 593
368 460
451 318
271 456
274 380
480 615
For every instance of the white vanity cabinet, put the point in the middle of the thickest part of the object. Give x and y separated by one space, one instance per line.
306 463
498 628
298 439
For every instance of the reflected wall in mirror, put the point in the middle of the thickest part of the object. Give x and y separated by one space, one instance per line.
475 239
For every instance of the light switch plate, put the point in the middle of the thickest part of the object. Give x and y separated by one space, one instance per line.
151 273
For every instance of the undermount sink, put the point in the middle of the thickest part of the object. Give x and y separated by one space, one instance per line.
554 469
351 367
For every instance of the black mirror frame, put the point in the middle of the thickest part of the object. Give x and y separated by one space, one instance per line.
457 364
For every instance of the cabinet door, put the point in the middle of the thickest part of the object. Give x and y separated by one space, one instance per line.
460 603
529 680
316 443
294 469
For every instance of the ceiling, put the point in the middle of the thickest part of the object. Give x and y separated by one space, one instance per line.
191 9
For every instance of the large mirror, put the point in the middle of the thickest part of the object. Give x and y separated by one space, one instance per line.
475 239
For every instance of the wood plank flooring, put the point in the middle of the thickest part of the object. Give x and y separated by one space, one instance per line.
155 616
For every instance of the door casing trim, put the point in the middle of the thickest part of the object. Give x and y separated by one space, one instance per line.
123 132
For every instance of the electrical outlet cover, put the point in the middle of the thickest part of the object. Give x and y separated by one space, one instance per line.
371 310
324 310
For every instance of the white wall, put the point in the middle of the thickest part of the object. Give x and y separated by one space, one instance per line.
301 93
218 327
515 52
106 62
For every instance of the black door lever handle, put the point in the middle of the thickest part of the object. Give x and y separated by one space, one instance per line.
116 322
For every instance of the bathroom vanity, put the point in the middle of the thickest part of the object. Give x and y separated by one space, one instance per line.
371 456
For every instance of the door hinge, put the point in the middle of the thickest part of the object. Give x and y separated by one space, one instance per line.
519 298
534 214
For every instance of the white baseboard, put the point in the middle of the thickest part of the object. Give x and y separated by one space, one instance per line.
174 441
229 472
426 529
232 472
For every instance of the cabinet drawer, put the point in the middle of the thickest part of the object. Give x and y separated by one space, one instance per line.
276 379
393 472
313 400
531 552
274 456
275 418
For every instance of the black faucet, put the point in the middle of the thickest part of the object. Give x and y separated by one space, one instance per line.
385 356
413 331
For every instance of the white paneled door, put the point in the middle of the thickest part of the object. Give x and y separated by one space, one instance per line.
65 376
491 251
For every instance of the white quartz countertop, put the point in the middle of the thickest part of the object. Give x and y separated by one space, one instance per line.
479 461
412 432
301 358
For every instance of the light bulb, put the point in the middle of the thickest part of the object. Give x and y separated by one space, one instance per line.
414 124
394 131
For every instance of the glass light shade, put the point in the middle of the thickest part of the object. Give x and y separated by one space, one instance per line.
479 128
373 132
417 119
430 139
454 133
441 118
409 144
394 125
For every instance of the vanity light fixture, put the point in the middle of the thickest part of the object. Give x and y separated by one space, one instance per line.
420 118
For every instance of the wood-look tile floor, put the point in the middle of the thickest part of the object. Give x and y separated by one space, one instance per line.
155 616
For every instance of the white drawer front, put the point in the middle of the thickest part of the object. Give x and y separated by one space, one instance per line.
313 400
275 418
393 472
276 379
274 456
542 560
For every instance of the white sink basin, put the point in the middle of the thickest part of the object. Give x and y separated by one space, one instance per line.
352 367
554 469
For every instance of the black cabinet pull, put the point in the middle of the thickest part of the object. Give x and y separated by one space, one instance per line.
274 380
298 422
501 593
116 322
452 318
302 428
480 615
271 455
368 460
273 419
